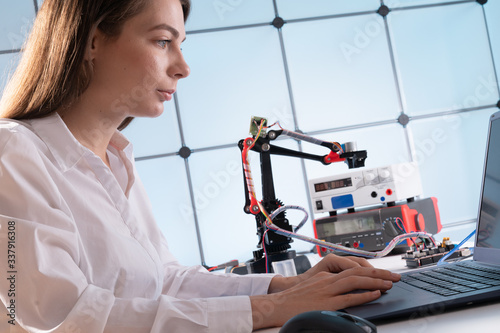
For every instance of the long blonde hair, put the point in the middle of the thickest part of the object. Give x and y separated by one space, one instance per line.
52 71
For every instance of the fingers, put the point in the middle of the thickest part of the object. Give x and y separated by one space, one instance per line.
339 263
348 300
361 261
357 280
370 272
353 280
357 284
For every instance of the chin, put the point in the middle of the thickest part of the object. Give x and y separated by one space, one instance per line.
151 112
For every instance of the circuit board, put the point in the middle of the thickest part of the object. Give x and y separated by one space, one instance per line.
255 124
417 257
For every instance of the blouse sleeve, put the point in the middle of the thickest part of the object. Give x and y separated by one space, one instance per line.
181 281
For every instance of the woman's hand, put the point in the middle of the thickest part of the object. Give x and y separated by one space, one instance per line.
331 264
353 282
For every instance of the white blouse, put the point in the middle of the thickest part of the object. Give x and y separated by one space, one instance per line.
82 252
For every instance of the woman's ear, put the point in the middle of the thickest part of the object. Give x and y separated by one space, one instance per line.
95 41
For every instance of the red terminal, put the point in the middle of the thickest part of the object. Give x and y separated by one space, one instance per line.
388 191
254 207
333 157
356 245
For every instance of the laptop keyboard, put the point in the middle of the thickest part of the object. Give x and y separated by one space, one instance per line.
454 279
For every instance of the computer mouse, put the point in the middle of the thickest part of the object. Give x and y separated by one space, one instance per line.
327 322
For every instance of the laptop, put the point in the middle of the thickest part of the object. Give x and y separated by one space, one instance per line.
464 282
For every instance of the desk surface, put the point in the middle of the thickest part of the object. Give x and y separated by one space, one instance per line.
480 318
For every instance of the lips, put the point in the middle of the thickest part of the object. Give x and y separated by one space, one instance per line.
166 94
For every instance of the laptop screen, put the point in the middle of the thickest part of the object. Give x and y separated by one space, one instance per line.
488 228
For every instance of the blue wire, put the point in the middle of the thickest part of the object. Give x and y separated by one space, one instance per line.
442 260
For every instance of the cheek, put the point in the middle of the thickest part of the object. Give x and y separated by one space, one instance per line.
130 69
116 71
144 69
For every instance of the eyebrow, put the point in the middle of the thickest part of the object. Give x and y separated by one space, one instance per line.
167 27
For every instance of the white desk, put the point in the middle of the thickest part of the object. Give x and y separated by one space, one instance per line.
478 318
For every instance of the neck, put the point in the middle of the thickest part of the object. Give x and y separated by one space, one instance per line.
92 125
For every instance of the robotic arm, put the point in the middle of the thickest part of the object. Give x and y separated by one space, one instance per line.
274 246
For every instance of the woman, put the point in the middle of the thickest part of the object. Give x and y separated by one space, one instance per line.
84 254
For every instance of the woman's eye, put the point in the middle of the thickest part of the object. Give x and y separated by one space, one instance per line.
163 43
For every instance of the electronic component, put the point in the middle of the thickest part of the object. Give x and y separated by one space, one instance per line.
270 212
421 255
365 187
372 230
229 264
254 125
274 246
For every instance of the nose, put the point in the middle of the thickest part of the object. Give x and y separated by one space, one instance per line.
179 68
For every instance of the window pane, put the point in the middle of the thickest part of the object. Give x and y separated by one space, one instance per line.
443 58
492 9
340 72
296 9
155 136
226 13
450 152
384 145
8 63
235 75
456 233
16 18
167 187
227 231
408 3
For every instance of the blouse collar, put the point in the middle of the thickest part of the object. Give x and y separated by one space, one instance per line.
65 148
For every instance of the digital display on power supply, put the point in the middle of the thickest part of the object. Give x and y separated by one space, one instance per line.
333 184
348 226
